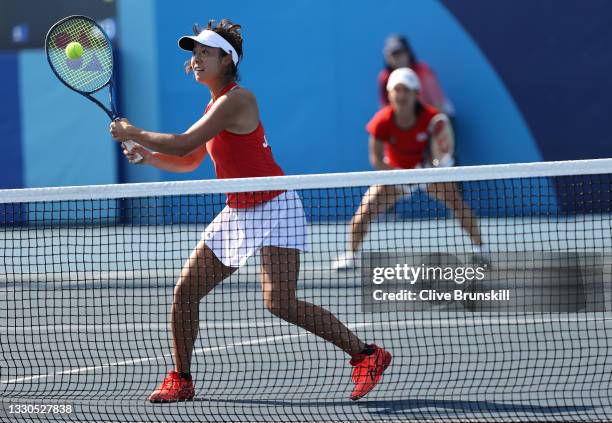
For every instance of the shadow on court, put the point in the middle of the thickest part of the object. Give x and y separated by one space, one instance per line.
489 407
412 408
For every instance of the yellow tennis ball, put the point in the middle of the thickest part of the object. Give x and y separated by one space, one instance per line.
74 50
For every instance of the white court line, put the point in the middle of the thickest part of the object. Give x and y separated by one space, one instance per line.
255 324
152 359
158 358
414 323
131 327
148 359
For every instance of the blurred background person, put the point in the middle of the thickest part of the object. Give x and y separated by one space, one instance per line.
399 54
400 138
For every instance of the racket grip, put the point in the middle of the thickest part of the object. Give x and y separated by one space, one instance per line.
129 145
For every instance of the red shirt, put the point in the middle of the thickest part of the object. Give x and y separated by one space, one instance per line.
403 148
243 156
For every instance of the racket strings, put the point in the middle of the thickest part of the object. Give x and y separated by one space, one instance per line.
93 69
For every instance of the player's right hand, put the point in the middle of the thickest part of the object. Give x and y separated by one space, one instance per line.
136 151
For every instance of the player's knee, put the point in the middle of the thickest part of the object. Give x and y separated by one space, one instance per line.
279 306
274 307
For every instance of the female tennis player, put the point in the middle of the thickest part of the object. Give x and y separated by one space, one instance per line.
271 222
400 136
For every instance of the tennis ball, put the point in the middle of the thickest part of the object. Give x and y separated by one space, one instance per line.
74 50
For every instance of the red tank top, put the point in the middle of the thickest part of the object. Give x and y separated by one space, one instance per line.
403 148
243 156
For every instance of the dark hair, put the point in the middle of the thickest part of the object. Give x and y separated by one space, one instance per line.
394 40
231 32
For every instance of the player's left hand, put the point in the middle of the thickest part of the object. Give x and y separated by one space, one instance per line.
137 154
122 130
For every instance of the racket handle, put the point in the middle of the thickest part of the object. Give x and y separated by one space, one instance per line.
129 145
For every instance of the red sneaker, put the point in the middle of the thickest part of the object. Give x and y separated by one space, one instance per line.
174 388
368 371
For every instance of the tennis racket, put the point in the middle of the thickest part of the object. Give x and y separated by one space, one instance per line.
442 141
91 72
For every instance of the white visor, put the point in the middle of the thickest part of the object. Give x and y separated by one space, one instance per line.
211 39
405 76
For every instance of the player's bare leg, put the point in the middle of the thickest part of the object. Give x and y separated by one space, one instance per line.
279 275
200 274
377 199
449 193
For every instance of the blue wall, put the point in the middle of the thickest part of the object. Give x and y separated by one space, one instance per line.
528 83
313 67
65 137
10 122
139 77
50 135
554 58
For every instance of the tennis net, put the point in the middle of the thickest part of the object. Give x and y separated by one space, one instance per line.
489 285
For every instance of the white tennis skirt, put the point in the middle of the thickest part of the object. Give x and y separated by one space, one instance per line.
237 234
